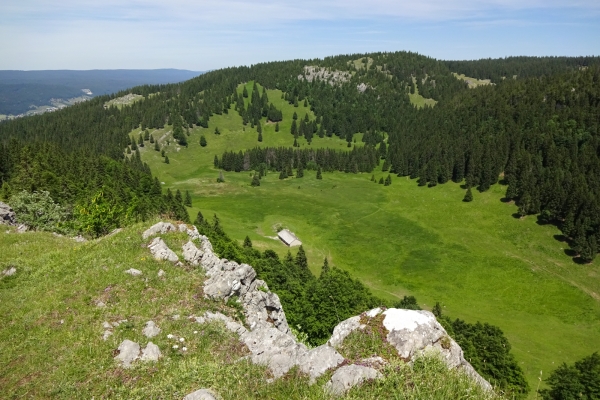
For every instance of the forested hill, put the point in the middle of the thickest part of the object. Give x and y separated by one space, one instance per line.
536 132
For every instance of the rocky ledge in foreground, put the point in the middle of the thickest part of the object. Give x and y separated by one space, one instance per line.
267 334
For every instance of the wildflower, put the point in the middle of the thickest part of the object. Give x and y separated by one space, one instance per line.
184 349
169 336
181 340
195 332
175 346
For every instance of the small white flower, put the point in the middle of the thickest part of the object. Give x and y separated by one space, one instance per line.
184 349
175 346
195 332
169 336
181 340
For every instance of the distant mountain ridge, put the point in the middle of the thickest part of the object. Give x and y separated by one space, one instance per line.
19 90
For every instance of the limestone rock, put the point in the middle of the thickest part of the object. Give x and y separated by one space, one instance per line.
151 352
349 376
128 352
233 279
318 360
79 239
275 349
161 251
202 394
106 335
159 228
9 271
150 330
230 324
161 273
191 254
7 215
264 308
22 228
343 329
133 272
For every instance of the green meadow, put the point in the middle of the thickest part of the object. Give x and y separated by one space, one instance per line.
476 259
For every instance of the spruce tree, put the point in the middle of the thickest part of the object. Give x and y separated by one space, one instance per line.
141 141
381 180
388 180
294 129
305 103
247 242
245 92
325 268
162 153
258 127
188 199
300 172
166 159
199 219
277 127
156 146
295 116
295 143
151 138
217 131
468 196
147 135
203 141
301 260
437 310
319 176
255 180
260 138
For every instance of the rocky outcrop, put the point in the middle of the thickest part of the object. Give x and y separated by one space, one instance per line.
7 215
202 394
271 343
150 330
349 376
161 251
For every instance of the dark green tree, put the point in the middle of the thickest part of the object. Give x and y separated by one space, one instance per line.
255 180
203 141
468 196
166 159
277 127
247 242
188 199
319 176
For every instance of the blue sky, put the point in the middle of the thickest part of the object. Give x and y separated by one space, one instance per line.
201 35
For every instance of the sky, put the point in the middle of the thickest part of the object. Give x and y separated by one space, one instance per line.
203 35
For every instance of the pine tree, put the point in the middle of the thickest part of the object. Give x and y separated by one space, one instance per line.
325 268
437 310
319 176
162 153
277 127
247 242
199 219
151 138
300 172
146 135
260 138
372 178
166 159
258 127
305 103
381 180
295 116
388 180
255 180
468 196
141 141
203 141
301 260
295 143
217 131
294 129
188 199
156 146
245 92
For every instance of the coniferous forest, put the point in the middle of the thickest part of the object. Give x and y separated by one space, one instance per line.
535 130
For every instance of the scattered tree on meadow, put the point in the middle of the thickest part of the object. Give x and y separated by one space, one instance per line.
203 141
468 196
188 199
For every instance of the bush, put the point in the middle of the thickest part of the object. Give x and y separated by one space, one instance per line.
38 211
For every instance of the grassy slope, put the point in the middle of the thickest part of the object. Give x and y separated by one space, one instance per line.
476 259
51 329
419 101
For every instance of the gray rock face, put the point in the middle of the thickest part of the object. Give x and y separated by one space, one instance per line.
343 329
161 227
151 330
9 271
133 272
191 254
349 376
151 352
318 360
202 394
412 333
128 352
161 251
7 215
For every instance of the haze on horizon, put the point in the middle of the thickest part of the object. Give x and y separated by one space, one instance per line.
150 34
